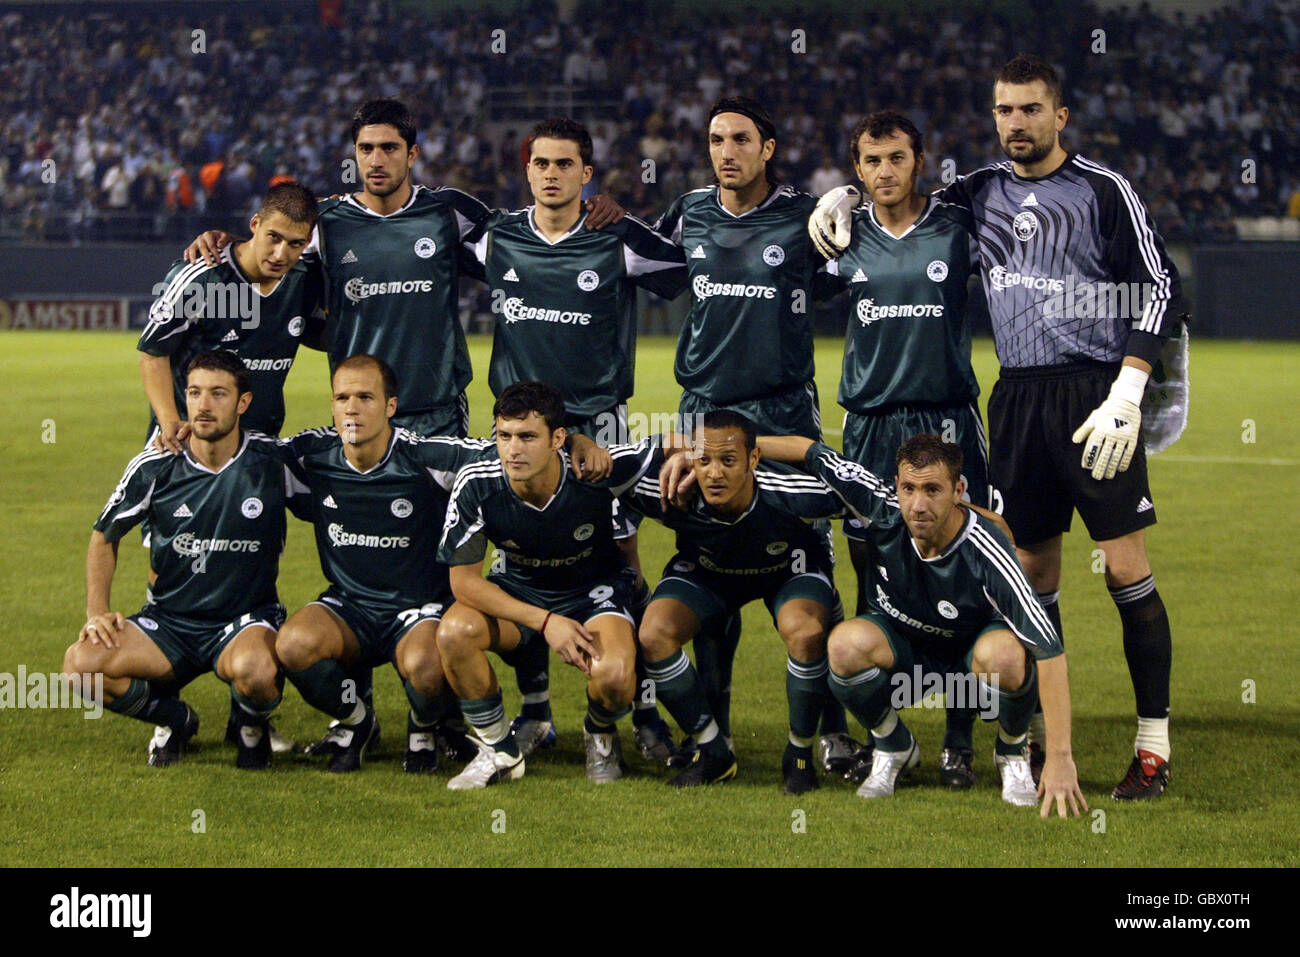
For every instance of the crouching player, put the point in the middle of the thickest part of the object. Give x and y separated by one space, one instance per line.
945 593
377 497
217 516
558 577
748 535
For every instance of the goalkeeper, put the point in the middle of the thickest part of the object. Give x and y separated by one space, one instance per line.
1060 237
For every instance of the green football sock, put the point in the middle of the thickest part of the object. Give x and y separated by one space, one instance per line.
805 693
321 686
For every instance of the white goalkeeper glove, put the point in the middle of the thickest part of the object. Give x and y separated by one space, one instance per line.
831 224
1113 430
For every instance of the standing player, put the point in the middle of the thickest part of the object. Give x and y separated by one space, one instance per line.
256 302
947 597
747 342
1082 296
907 349
560 292
748 535
217 517
558 578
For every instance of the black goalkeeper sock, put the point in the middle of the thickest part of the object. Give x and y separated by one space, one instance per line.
1148 645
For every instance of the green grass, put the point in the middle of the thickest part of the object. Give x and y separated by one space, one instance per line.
76 792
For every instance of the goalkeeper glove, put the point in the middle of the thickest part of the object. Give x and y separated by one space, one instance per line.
1113 430
831 224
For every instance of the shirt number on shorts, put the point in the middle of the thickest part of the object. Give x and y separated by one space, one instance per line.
411 615
601 593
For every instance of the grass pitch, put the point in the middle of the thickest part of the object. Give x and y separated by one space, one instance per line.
77 792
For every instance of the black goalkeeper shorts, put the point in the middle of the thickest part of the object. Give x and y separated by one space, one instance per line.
1036 468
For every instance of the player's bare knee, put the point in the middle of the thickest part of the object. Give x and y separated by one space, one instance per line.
658 639
297 647
461 634
804 637
84 658
1003 657
612 684
854 647
422 667
254 675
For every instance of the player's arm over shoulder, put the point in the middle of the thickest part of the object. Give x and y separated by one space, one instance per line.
993 518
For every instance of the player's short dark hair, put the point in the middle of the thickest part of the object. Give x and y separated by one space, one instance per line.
222 360
879 125
756 111
364 360
516 401
1026 68
731 419
294 200
928 449
389 111
563 128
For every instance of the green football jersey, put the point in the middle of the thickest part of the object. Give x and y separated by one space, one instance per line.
377 531
393 289
749 332
947 599
908 339
557 549
215 537
205 307
566 311
773 535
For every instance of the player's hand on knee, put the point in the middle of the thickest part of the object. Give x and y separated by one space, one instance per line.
603 211
573 643
831 223
588 460
1059 785
207 246
103 629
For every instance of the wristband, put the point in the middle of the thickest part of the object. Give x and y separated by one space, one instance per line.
542 631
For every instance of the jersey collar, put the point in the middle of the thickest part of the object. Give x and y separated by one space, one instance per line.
532 224
706 511
771 198
357 204
243 444
392 441
228 256
564 474
952 546
930 203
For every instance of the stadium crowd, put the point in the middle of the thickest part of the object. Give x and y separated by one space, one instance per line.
154 127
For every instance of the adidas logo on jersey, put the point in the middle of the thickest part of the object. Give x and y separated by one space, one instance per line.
859 276
697 252
183 512
328 502
231 336
1145 505
348 257
511 275
1030 200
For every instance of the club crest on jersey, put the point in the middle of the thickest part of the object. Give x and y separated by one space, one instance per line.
776 548
588 280
937 270
947 609
1025 225
401 507
251 507
295 326
147 623
774 255
425 247
584 532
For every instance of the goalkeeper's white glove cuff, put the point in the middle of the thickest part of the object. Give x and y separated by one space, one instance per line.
1130 385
